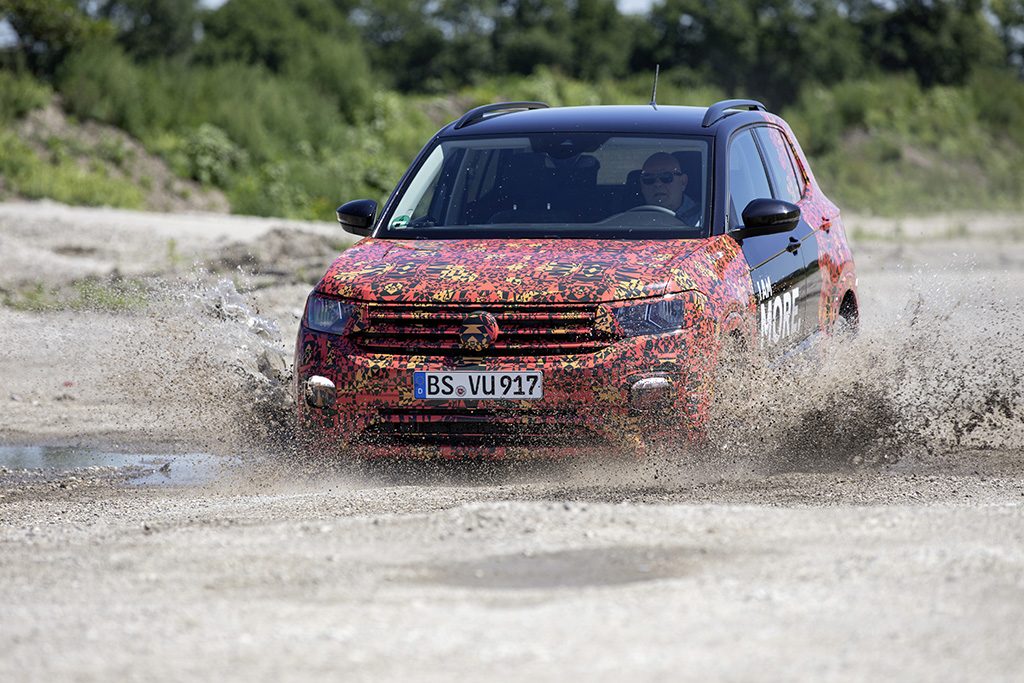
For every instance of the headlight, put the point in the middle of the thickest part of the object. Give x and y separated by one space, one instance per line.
327 315
665 315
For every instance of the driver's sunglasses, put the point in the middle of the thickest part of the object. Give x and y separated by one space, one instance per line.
664 178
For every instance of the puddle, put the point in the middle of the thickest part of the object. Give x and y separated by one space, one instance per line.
586 567
144 469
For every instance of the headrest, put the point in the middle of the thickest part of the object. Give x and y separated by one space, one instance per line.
689 163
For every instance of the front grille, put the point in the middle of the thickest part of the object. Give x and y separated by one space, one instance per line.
523 330
478 427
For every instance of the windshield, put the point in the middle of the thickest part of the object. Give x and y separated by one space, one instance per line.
556 185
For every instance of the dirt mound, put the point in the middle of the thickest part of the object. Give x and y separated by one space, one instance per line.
285 255
51 133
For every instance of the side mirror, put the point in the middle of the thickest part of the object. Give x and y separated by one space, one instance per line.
767 216
357 216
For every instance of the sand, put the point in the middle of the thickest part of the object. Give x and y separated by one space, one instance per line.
860 515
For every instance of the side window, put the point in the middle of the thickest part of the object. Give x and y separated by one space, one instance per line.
801 185
423 207
747 178
416 201
780 164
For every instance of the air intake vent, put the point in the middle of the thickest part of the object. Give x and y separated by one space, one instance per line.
522 330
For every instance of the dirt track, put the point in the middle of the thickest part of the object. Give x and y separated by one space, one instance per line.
771 559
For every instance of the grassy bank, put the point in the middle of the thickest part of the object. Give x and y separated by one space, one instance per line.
279 147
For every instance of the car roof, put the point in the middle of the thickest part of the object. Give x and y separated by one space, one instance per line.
663 119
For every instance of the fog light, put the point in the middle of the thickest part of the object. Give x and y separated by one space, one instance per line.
320 392
650 393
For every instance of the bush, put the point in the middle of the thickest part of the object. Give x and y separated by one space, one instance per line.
263 114
100 82
63 180
212 157
363 161
298 141
887 145
269 191
20 94
999 100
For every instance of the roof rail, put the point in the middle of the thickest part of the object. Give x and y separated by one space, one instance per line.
719 110
474 115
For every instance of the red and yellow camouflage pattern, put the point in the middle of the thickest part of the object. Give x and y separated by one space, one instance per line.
569 287
838 275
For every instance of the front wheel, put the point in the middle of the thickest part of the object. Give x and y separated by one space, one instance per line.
847 323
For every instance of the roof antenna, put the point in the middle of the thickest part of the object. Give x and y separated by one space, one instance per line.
654 91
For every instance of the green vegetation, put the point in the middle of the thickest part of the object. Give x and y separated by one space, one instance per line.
891 146
290 106
20 94
30 175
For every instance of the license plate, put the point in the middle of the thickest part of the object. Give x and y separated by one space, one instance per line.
498 386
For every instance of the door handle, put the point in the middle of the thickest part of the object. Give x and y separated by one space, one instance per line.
826 223
793 246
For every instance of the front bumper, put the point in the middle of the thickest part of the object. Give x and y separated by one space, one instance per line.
590 401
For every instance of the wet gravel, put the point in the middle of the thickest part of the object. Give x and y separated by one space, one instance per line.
861 518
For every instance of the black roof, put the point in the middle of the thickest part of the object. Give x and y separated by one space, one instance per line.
665 119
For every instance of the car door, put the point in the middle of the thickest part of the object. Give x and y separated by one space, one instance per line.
775 260
787 185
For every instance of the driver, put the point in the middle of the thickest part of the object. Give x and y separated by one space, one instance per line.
662 183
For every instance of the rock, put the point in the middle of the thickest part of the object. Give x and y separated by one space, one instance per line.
273 365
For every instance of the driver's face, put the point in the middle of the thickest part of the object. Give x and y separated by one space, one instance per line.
656 190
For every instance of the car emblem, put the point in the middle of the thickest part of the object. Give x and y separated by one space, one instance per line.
479 330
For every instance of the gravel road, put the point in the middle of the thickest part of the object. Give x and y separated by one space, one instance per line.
861 514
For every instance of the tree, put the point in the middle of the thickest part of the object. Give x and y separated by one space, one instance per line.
764 48
307 40
152 28
941 41
533 33
429 46
602 40
1009 15
48 30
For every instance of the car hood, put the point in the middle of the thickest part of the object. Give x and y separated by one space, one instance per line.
508 271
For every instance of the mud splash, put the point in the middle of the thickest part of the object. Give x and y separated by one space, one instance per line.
193 366
32 463
935 371
934 375
221 365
